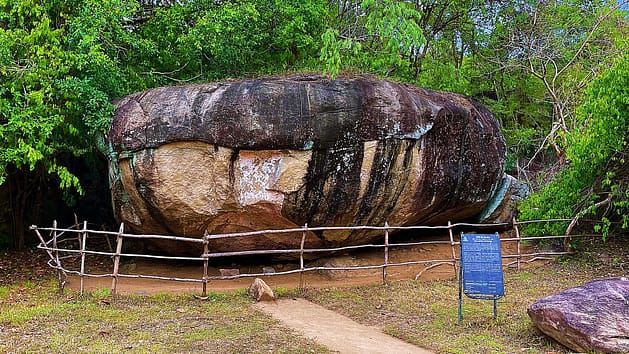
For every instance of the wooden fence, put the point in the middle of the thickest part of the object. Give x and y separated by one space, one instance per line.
80 234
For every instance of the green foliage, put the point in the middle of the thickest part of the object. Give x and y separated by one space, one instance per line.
561 45
58 74
207 40
56 87
603 118
98 32
596 181
372 36
227 36
32 61
63 61
520 142
445 76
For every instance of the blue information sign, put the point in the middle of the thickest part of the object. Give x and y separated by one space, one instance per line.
481 274
481 263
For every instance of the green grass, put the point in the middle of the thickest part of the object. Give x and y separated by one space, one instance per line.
425 313
37 319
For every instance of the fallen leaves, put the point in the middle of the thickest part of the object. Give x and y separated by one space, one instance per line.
20 266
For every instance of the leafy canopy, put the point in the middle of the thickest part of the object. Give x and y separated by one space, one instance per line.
597 178
43 107
371 36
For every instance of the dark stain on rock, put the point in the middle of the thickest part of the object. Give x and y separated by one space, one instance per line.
384 160
271 113
462 169
387 180
332 186
233 158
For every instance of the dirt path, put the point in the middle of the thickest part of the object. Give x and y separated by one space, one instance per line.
333 330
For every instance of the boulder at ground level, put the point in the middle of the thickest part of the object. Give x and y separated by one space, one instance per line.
278 153
590 318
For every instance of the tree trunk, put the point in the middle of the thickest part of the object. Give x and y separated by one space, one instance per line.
19 193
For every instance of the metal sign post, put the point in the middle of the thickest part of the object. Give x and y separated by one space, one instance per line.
480 274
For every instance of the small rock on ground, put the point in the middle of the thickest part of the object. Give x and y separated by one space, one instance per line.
261 291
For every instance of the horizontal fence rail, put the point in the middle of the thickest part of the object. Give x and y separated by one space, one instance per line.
65 244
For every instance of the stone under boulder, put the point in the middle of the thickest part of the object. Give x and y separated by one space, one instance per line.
590 318
501 208
279 153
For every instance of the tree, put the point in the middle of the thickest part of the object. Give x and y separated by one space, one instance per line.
450 30
562 45
209 40
48 110
596 182
371 36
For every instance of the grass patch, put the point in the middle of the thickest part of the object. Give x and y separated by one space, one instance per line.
37 319
425 313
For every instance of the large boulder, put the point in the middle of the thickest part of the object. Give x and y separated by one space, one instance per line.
590 318
278 153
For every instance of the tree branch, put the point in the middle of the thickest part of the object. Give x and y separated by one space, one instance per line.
589 36
588 210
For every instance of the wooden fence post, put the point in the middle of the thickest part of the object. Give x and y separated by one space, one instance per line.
53 256
83 247
301 258
519 241
206 252
114 280
386 253
452 244
54 245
